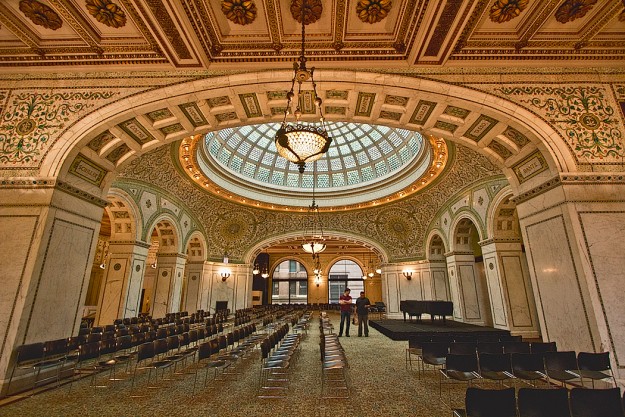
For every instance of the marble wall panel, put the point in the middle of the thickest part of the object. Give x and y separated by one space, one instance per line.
17 234
192 293
133 294
162 291
222 291
393 293
470 292
516 291
454 289
495 292
441 288
112 292
557 285
176 290
603 235
411 290
57 305
243 291
427 285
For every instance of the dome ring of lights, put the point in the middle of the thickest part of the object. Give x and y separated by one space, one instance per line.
366 164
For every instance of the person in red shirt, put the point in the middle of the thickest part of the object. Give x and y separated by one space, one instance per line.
345 302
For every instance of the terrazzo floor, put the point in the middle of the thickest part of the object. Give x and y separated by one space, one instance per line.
380 385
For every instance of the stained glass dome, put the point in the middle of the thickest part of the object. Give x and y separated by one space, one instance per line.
359 153
364 163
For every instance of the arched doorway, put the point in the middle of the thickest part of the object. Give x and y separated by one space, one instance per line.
289 283
345 273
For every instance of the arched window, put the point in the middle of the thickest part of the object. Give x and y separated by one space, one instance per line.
345 274
289 283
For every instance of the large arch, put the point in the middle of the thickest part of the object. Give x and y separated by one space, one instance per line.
485 126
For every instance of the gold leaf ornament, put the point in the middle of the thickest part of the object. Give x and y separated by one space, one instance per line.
40 14
373 11
106 12
241 12
505 10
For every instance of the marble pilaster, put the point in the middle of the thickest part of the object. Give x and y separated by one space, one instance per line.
467 289
167 288
120 292
193 274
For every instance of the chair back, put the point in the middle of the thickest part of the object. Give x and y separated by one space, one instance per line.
560 361
543 402
32 352
461 363
495 362
516 347
593 361
542 347
204 351
463 348
596 402
527 362
145 351
490 403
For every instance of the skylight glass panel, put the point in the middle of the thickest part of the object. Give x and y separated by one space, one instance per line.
292 180
356 146
375 135
253 136
323 180
224 156
414 145
333 152
374 153
384 129
366 141
405 154
344 150
246 130
280 163
233 141
249 169
244 148
255 154
263 174
322 165
367 173
263 143
380 168
353 177
363 158
215 146
307 180
235 163
338 180
335 164
386 147
268 158
277 178
394 162
349 161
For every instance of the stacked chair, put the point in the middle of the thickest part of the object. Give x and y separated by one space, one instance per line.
334 379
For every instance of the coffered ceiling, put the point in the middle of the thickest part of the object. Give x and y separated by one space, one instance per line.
242 33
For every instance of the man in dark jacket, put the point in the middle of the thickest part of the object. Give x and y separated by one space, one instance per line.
362 309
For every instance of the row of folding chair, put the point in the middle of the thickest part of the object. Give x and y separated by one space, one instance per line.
532 402
554 366
278 351
334 365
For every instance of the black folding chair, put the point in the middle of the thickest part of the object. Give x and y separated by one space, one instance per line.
534 402
488 403
596 402
595 366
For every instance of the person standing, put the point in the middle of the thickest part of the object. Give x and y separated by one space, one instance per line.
362 310
345 302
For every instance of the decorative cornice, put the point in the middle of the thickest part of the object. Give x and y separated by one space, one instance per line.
499 240
458 252
131 242
542 188
83 195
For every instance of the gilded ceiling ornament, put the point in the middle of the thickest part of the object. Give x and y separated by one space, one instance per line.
505 10
41 14
312 12
106 12
373 11
621 16
241 12
573 9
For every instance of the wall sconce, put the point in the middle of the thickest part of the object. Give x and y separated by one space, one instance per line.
265 274
256 269
224 275
153 266
317 280
408 275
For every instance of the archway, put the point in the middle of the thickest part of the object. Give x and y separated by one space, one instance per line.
345 273
289 282
193 290
437 269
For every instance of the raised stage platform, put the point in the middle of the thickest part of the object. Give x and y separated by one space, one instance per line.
400 330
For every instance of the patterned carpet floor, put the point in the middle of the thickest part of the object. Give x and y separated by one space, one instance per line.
380 385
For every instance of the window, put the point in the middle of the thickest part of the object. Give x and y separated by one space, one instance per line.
344 274
290 283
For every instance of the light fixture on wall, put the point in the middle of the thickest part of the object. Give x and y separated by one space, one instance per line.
408 275
256 269
104 257
225 274
265 274
153 265
297 142
314 240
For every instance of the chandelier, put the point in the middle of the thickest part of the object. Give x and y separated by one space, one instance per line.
295 141
314 241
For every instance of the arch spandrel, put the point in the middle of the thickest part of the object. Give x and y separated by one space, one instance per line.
481 121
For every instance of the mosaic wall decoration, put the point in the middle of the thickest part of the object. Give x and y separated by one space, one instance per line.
161 114
277 110
31 121
529 167
251 105
218 101
224 117
504 10
515 136
241 12
87 170
396 100
364 105
422 112
41 14
390 115
586 117
573 9
117 153
307 102
276 95
373 11
175 128
136 131
193 113
106 12
448 127
97 143
456 112
336 95
480 128
500 150
335 110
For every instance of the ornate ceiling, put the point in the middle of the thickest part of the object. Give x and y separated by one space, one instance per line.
166 34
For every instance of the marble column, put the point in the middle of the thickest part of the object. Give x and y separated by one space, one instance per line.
509 288
167 288
574 235
193 274
120 292
48 236
468 292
